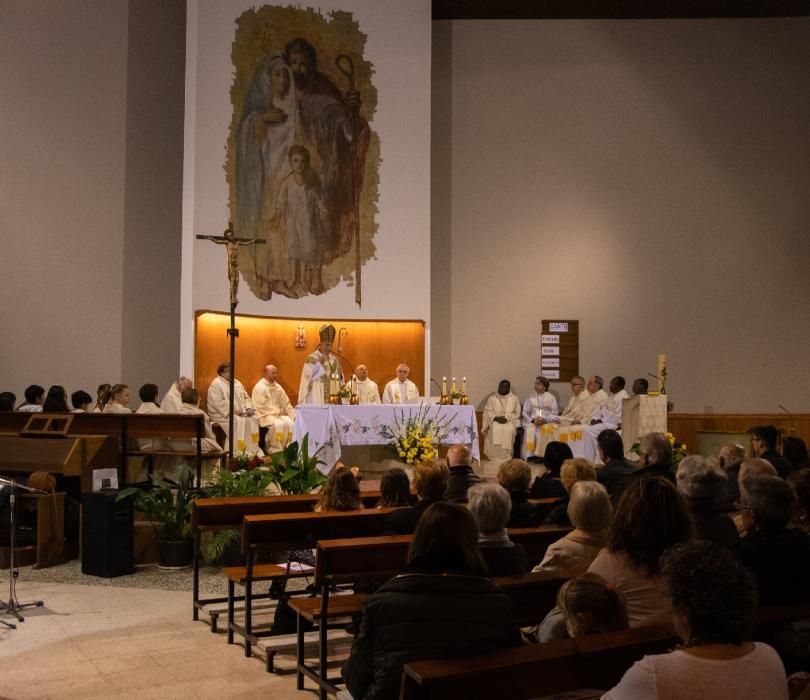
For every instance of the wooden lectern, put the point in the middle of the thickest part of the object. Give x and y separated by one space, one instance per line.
641 415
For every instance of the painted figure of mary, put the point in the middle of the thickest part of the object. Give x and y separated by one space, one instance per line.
264 136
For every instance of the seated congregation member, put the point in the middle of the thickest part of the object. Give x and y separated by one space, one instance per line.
548 484
395 489
753 466
430 482
655 457
273 411
102 397
703 485
34 398
173 399
515 475
778 556
401 389
730 458
573 470
500 421
714 604
81 401
799 481
650 518
539 409
462 476
443 606
191 406
590 605
119 400
794 450
7 401
490 505
591 514
763 445
616 471
368 392
56 400
219 393
340 492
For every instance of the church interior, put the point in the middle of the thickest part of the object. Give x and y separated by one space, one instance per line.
631 179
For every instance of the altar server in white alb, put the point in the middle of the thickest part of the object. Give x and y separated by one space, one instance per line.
500 422
319 367
538 409
274 411
401 389
173 399
219 393
367 390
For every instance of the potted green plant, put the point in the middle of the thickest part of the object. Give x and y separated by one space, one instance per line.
169 511
294 470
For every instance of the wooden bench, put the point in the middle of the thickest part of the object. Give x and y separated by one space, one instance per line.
216 514
128 427
377 559
284 532
595 661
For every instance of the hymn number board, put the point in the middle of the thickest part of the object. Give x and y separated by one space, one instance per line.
559 350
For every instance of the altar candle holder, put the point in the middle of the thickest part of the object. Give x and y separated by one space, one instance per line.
354 400
445 399
463 399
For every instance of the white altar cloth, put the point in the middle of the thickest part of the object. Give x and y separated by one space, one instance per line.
332 426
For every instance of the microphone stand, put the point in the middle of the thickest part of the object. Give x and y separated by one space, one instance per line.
13 606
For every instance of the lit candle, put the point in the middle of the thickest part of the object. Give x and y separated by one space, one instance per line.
453 387
464 385
662 369
444 386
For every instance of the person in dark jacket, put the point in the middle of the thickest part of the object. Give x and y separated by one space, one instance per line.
778 556
443 606
462 476
763 443
515 475
490 505
655 457
616 470
430 482
548 484
794 450
704 486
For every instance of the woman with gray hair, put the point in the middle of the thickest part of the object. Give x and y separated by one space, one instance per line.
490 506
704 485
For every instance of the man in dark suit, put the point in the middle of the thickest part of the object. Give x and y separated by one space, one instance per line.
617 470
763 442
430 482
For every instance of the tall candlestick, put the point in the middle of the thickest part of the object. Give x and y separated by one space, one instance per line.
453 386
444 386
662 371
464 385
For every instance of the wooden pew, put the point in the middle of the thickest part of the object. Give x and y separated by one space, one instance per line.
595 661
377 559
284 532
126 427
215 514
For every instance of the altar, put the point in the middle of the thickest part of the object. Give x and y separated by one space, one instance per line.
334 427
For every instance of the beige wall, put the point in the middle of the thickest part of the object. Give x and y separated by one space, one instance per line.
647 178
83 187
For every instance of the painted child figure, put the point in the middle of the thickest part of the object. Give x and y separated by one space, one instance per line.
300 215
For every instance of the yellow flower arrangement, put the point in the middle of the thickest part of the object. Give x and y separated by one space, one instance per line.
415 438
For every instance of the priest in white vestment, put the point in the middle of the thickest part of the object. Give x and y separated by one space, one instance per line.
401 389
500 422
219 393
173 399
539 409
191 406
319 369
595 398
367 390
607 416
274 411
573 411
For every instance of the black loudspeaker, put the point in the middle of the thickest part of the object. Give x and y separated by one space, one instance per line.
108 533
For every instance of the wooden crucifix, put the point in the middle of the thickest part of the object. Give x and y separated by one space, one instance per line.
232 242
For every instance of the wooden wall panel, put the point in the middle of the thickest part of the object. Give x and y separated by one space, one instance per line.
381 345
686 425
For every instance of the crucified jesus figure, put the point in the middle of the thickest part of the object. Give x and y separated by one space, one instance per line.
232 242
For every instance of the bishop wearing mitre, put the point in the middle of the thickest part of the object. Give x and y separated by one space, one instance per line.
367 390
319 367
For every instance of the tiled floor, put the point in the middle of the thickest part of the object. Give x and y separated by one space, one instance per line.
102 642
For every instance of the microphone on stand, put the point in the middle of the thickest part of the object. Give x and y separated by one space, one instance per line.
784 409
436 384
